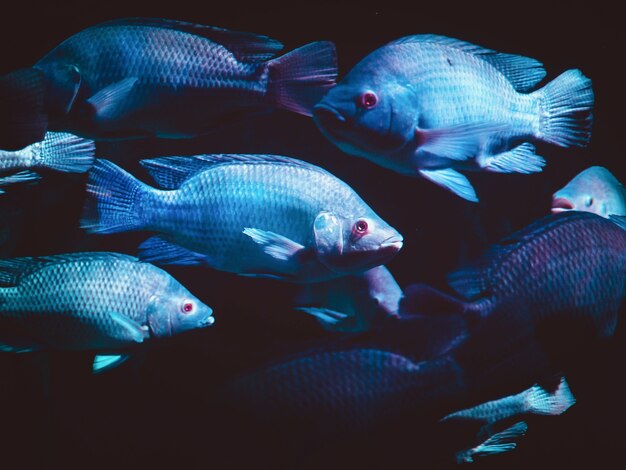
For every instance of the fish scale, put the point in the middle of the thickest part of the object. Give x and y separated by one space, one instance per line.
572 263
281 198
262 215
431 106
75 301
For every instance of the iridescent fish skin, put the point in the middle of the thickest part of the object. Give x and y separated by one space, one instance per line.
593 190
58 151
255 215
145 77
352 303
91 301
431 105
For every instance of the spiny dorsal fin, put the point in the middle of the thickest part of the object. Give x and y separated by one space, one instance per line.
524 73
15 269
245 46
171 172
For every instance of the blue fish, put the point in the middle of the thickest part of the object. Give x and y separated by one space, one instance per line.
595 190
145 77
103 302
431 105
254 215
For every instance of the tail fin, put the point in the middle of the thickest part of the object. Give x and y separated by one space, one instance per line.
66 152
566 104
540 401
23 119
300 78
113 200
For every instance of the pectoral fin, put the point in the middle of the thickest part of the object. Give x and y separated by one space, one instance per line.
453 181
457 142
110 102
128 330
275 245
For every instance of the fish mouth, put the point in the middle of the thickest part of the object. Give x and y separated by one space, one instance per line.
331 121
207 322
393 243
561 204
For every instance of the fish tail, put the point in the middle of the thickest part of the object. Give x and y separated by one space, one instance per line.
23 117
67 152
540 401
566 110
300 78
114 199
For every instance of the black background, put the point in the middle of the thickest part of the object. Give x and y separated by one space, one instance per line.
153 410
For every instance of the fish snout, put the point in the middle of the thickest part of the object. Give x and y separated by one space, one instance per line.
561 204
330 120
392 244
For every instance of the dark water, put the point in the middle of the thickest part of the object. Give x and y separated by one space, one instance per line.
154 410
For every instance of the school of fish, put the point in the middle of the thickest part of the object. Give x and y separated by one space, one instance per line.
422 105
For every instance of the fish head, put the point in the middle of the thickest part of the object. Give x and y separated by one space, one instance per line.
593 190
352 244
370 112
177 310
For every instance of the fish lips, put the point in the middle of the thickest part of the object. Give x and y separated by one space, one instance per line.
561 204
330 121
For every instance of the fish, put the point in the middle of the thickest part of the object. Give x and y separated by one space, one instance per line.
429 105
568 265
92 301
25 176
149 77
352 303
59 151
592 190
253 215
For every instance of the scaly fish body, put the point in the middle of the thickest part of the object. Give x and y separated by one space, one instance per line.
430 105
247 214
592 190
96 301
143 77
570 265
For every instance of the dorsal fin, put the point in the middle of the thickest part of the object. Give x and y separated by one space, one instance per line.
524 73
14 269
171 172
245 46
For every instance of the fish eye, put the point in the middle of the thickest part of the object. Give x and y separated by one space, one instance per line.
368 100
360 227
588 201
187 307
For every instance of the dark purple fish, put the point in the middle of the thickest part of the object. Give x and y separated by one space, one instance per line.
569 265
145 77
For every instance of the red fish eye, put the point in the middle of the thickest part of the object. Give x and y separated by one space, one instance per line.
187 307
369 100
360 227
